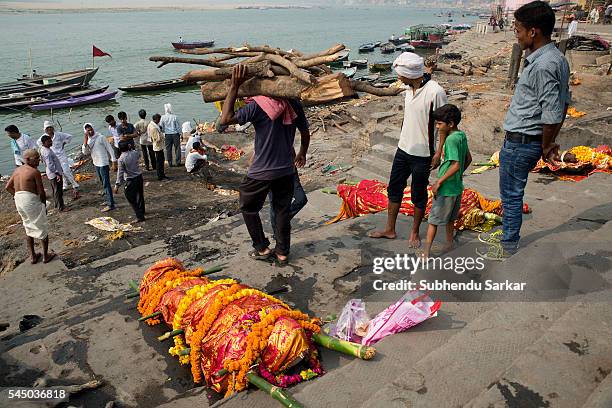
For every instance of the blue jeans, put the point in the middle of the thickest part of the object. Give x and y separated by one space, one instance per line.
104 177
516 160
298 202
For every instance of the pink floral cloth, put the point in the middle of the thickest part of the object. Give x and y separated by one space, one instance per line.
413 308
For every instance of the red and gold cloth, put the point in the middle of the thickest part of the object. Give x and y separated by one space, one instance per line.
370 196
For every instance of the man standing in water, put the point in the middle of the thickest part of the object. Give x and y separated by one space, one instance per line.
415 154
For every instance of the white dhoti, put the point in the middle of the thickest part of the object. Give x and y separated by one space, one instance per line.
33 213
68 177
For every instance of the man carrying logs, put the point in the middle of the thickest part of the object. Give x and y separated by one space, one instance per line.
274 162
415 154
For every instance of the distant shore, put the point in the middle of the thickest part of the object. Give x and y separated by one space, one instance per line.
19 7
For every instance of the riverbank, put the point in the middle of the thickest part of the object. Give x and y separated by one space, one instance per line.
509 348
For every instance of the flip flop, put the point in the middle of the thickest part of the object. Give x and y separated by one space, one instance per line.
281 262
51 256
254 254
36 259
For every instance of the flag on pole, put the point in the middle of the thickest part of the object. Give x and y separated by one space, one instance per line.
99 53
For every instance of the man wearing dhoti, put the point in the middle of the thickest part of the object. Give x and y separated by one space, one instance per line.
27 188
60 140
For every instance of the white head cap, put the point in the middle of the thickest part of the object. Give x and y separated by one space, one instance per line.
87 124
409 65
47 124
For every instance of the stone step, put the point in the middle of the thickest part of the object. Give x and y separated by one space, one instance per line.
384 152
390 138
375 165
577 346
362 173
602 396
460 369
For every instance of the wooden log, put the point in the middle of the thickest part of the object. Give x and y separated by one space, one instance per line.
333 50
362 86
449 70
292 68
231 50
258 69
195 61
277 87
328 88
321 60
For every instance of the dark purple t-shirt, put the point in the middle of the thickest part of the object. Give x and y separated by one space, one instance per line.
274 154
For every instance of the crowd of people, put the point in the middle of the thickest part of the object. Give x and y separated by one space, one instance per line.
120 151
532 123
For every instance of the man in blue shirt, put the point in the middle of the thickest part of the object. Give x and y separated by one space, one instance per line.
274 163
534 119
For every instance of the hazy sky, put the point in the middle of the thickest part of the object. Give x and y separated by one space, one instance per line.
145 3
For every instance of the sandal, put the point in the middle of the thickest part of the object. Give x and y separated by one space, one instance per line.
254 254
281 262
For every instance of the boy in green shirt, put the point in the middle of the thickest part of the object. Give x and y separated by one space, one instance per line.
448 189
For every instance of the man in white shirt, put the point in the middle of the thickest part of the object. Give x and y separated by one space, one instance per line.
20 142
196 160
112 130
100 150
60 140
415 155
573 26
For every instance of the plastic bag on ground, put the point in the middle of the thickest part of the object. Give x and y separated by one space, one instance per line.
352 323
413 308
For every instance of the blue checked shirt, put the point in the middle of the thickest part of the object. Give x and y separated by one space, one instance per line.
541 92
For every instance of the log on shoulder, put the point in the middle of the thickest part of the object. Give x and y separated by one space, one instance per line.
261 69
362 86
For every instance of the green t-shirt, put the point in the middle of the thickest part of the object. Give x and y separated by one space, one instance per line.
455 149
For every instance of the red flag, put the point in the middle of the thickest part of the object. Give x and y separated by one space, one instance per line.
99 53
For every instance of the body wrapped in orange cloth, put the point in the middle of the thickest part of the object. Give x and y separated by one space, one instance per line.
370 196
229 327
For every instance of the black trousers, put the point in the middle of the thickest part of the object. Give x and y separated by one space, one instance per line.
58 193
253 195
134 193
148 155
159 158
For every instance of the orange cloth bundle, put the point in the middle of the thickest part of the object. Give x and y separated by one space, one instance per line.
370 196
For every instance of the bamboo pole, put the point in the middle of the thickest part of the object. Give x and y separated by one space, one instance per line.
152 315
172 333
346 347
275 392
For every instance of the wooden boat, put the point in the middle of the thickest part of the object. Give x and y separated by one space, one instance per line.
377 44
17 96
75 101
366 48
387 48
405 48
349 72
359 63
399 40
381 66
426 44
57 75
35 100
156 86
80 78
369 78
187 45
342 56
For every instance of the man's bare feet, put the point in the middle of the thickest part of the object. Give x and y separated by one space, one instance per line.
35 259
64 210
383 234
415 240
49 257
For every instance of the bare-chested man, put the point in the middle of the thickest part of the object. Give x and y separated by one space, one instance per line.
27 187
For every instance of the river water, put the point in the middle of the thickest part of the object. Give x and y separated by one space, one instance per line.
62 41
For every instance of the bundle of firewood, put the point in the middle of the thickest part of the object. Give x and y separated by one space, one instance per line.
273 72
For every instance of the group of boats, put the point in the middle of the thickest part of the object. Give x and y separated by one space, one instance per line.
52 91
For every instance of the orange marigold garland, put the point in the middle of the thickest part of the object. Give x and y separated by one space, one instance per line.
169 281
257 340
